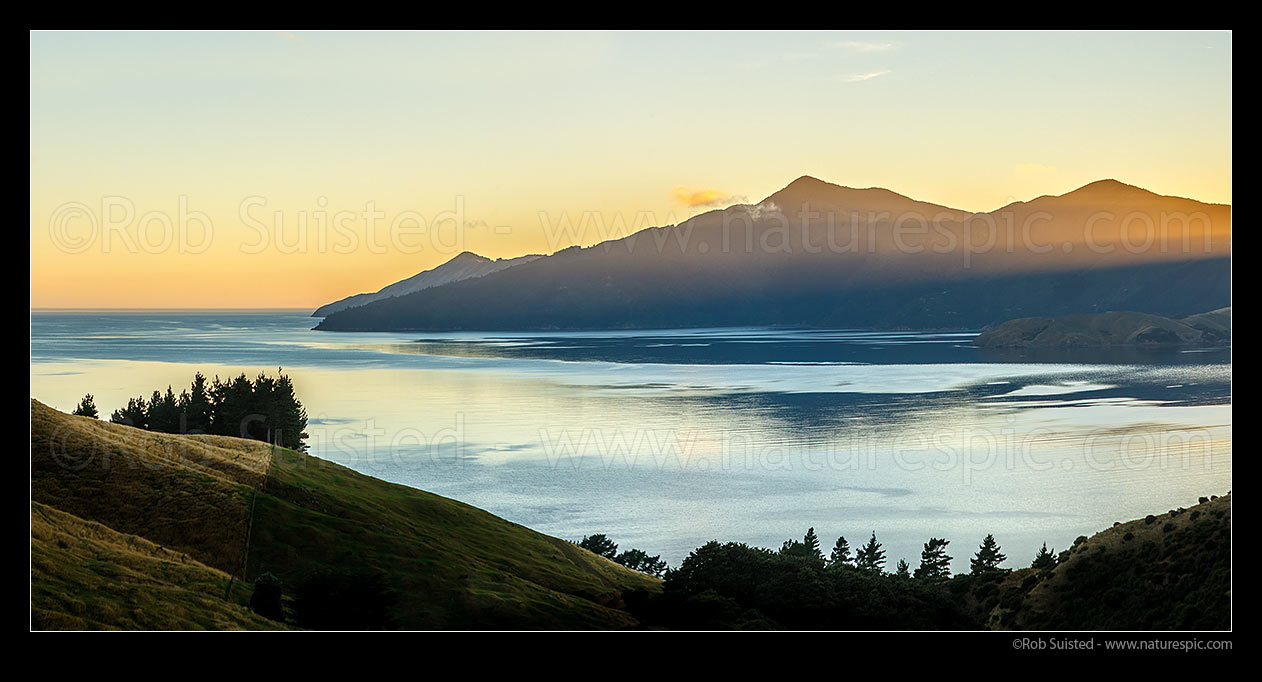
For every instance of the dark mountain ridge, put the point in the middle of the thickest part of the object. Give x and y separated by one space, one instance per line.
818 254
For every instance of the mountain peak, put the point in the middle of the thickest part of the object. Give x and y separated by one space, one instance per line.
1107 186
840 197
469 256
806 182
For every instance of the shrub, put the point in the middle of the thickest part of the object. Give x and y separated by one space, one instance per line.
266 599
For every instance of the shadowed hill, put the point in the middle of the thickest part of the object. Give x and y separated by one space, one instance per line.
1215 324
1109 329
451 565
818 254
85 576
445 564
1164 572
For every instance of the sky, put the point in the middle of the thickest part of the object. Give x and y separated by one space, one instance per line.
288 169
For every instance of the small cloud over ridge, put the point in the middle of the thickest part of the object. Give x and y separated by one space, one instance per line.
690 196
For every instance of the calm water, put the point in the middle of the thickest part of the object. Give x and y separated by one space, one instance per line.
665 440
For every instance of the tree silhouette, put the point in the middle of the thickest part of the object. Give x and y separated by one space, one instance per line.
807 549
638 560
988 557
841 553
1044 559
266 598
288 414
599 544
902 570
265 409
135 414
164 413
870 557
812 544
195 406
86 407
934 562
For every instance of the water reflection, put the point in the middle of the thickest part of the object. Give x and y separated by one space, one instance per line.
666 439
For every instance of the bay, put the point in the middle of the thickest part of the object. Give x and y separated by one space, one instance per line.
665 439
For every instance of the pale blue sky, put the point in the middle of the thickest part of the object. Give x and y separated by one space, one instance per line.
521 123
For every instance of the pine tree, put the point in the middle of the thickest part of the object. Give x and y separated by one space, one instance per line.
86 407
806 549
902 570
812 545
1044 559
265 409
639 560
841 553
988 557
164 412
135 414
599 544
291 417
934 562
233 406
195 406
870 557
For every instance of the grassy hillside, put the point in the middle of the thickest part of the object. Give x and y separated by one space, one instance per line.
1214 325
189 493
1168 572
442 564
85 576
1163 572
1109 329
448 564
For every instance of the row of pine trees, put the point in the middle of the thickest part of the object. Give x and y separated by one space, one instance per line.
935 564
265 409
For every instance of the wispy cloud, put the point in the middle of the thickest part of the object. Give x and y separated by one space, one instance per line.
860 77
691 196
864 45
289 36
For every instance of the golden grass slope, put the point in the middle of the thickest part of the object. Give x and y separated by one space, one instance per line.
445 563
85 576
188 493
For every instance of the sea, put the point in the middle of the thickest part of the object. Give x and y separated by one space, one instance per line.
666 439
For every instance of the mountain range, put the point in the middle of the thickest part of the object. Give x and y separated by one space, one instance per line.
819 254
466 265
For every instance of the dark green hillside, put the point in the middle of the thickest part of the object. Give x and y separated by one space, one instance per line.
447 564
436 562
1165 572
